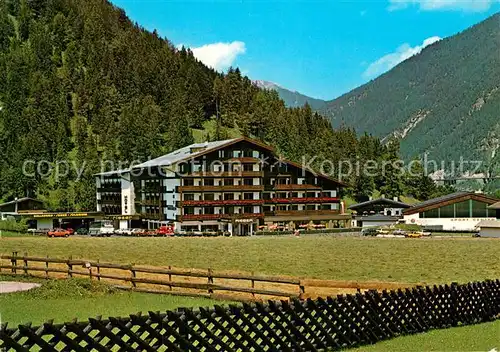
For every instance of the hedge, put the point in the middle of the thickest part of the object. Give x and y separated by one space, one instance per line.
309 232
13 225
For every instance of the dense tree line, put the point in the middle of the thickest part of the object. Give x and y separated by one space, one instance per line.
80 82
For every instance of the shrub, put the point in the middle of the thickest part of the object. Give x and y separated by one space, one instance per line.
13 225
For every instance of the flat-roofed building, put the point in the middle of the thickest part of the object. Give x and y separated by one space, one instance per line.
232 185
460 211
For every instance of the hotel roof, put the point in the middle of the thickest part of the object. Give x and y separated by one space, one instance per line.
449 199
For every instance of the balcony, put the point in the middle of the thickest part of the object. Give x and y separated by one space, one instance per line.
221 203
201 217
301 212
150 202
236 188
296 187
117 201
243 160
151 216
302 200
159 189
110 189
226 174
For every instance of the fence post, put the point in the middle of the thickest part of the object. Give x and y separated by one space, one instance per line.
98 271
25 260
13 262
253 284
133 275
70 267
302 290
47 267
210 280
170 277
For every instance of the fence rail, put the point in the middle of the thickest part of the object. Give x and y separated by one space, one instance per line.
297 325
177 281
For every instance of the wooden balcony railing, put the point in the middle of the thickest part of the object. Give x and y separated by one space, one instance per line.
222 203
226 174
243 159
315 200
201 217
236 188
296 187
301 212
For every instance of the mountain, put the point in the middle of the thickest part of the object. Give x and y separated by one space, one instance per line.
292 99
444 101
83 90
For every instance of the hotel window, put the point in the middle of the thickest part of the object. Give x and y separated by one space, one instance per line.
188 182
228 196
188 196
209 196
228 182
281 208
188 211
248 209
209 210
236 153
266 195
248 181
255 154
311 194
310 207
248 196
247 167
221 153
295 194
208 182
326 207
294 207
281 195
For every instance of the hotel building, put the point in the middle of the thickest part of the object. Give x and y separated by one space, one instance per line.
233 185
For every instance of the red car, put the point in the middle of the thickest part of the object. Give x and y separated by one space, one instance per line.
165 231
58 233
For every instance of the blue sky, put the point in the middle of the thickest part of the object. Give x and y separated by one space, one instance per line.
319 48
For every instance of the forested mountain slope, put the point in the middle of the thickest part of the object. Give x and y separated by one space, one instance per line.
444 101
81 84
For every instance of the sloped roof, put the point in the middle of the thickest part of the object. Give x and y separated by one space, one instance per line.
489 224
449 199
379 201
20 200
185 153
495 206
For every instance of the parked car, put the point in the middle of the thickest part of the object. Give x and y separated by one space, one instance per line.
82 231
101 228
399 232
417 234
58 233
124 232
165 231
369 231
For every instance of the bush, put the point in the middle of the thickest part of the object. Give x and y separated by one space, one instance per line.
13 225
408 227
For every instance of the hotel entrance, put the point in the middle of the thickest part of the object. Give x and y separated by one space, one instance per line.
244 227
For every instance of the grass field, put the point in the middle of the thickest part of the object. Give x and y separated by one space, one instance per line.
482 337
429 260
63 300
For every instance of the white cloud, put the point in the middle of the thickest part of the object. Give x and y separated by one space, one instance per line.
386 62
219 55
431 5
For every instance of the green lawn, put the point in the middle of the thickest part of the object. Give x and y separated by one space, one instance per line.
429 260
481 337
63 300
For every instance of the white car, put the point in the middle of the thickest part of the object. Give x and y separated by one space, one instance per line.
101 228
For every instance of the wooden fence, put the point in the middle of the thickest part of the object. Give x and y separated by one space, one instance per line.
297 325
193 282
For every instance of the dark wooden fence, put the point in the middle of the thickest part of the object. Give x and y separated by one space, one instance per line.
307 325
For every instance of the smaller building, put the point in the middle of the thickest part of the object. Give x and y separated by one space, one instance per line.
495 208
378 212
460 211
38 218
489 228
